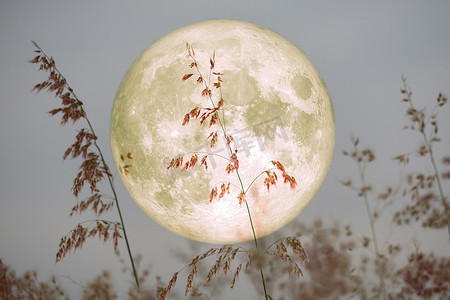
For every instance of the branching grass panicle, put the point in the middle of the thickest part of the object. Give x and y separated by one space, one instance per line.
210 115
93 169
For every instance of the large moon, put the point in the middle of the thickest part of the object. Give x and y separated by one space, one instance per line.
275 105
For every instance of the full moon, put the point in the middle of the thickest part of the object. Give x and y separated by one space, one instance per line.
275 105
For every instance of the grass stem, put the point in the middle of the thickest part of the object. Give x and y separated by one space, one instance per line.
372 226
438 180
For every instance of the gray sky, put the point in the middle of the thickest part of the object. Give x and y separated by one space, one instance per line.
361 50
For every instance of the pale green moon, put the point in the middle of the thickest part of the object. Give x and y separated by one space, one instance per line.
276 106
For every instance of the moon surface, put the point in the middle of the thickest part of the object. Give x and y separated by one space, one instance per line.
276 107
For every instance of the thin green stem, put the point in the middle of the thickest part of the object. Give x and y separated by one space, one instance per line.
251 223
438 180
369 212
254 179
257 250
264 284
116 200
222 125
372 225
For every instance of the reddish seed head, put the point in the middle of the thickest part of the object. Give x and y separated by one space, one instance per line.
241 198
186 76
